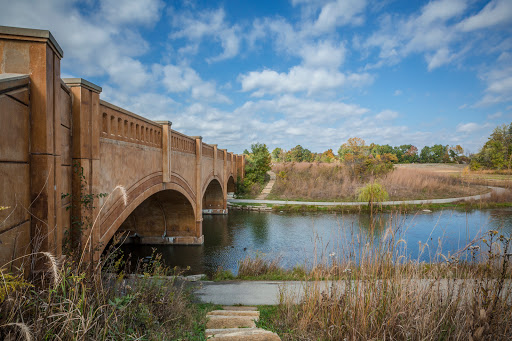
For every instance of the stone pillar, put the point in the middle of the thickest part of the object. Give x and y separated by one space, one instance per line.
166 149
86 166
242 167
215 170
234 159
225 173
199 190
37 54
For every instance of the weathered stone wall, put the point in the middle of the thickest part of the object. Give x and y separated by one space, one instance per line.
14 167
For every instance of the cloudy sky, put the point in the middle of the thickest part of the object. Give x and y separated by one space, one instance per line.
293 72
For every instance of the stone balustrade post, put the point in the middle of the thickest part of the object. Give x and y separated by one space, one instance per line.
198 185
86 166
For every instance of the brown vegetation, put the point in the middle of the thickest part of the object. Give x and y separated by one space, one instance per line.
69 303
393 297
320 181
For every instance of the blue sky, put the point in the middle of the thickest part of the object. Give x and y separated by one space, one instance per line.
293 72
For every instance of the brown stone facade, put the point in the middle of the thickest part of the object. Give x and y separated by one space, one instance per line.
61 146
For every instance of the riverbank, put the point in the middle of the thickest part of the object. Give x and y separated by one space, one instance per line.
341 183
496 197
378 292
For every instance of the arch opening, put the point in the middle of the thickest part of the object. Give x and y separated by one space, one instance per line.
231 187
213 199
166 217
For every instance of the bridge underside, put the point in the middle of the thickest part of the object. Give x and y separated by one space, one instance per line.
166 217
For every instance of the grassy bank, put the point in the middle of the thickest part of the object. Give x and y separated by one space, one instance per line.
386 300
335 182
69 302
463 206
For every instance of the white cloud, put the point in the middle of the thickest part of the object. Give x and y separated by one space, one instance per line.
95 42
304 109
338 13
397 92
198 26
428 32
499 82
440 57
300 79
467 128
386 115
495 115
178 79
496 12
131 12
323 54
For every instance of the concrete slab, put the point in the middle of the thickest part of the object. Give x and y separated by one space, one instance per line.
248 313
220 322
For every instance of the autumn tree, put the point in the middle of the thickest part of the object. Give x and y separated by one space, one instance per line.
276 155
497 151
354 146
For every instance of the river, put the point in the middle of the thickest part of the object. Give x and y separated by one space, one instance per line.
306 238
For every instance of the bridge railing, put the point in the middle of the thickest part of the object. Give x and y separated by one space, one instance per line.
122 125
182 143
208 150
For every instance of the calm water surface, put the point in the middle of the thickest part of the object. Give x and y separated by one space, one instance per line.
311 237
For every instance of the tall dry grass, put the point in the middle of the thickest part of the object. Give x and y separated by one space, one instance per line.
375 291
320 181
69 303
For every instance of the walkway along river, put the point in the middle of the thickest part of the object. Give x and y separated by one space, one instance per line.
306 238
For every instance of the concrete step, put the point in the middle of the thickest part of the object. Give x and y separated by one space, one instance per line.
249 313
239 307
220 322
237 323
246 334
211 332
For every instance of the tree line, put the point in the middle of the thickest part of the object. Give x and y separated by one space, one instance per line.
406 153
365 160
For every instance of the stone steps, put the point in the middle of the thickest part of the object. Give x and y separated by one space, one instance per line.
236 323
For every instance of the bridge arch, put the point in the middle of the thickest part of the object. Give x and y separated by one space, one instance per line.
213 199
231 185
163 210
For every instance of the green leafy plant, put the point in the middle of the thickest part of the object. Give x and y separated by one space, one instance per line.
373 192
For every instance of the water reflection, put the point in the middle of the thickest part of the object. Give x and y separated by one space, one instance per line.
310 237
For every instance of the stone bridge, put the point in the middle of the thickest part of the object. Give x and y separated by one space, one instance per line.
61 146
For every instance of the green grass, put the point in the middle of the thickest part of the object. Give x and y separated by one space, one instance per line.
389 208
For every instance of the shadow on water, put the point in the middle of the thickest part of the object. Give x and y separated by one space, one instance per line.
306 238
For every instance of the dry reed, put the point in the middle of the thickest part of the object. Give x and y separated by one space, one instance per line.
373 290
333 182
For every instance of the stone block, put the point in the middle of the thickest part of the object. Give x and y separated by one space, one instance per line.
15 243
65 138
246 334
14 193
249 313
239 308
14 130
218 322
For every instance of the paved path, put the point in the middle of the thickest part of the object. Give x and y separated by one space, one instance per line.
268 292
498 190
268 188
